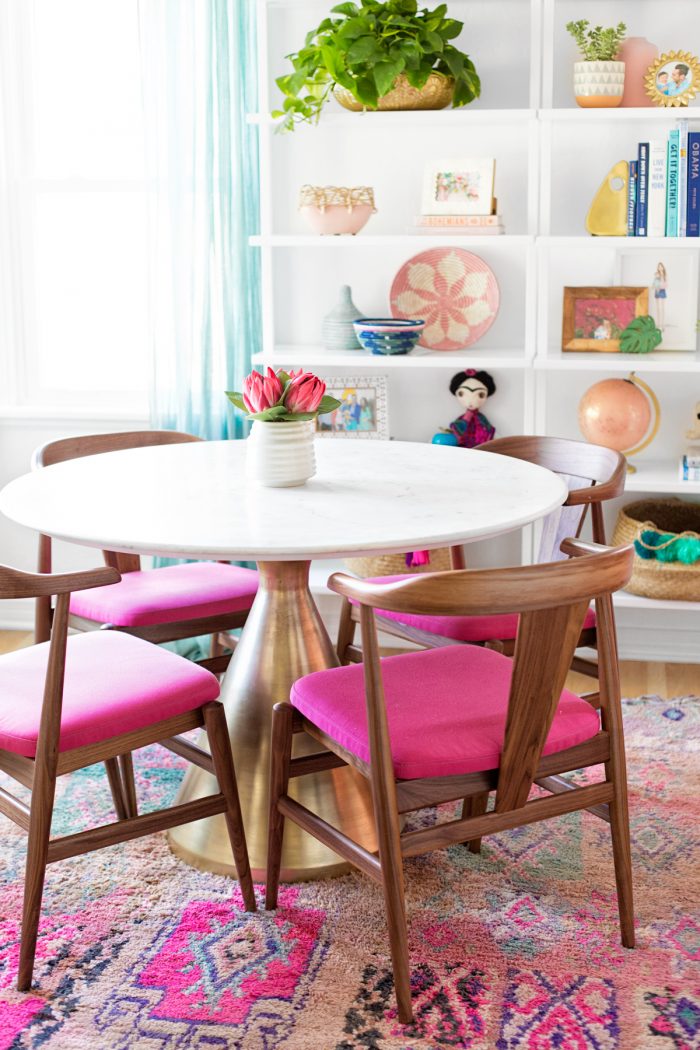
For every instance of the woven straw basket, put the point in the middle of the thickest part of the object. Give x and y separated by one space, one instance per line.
395 564
658 579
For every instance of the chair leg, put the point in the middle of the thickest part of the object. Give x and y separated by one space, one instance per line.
280 756
126 768
115 786
622 857
346 630
37 852
217 731
389 838
474 806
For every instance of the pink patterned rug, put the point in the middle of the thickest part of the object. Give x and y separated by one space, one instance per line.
517 949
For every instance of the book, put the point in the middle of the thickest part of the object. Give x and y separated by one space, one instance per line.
441 221
672 183
693 194
687 471
682 176
642 182
632 199
656 189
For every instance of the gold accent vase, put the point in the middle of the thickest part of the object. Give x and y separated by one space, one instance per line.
436 93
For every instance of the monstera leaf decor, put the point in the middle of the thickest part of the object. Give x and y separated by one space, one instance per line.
641 336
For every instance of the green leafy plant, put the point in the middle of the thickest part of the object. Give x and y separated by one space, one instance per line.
365 48
640 336
597 44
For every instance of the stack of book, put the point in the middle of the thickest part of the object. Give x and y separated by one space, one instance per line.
663 197
464 224
689 467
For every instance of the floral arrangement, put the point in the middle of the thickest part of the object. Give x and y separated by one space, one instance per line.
283 397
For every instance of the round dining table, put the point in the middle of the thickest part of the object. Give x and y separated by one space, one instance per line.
194 501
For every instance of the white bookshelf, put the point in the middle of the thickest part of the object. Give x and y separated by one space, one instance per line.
551 157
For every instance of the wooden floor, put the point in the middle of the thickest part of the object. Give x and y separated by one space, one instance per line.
638 678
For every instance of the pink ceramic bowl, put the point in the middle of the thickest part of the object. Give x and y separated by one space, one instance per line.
336 218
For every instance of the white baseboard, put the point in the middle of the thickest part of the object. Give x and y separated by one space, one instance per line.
668 637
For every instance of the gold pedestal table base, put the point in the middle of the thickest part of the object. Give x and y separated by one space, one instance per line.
283 639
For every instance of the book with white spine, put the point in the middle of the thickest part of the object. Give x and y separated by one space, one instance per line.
656 207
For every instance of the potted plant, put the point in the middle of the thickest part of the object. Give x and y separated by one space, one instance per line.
283 407
599 80
378 55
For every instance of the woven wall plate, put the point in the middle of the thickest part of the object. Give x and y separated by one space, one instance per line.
454 290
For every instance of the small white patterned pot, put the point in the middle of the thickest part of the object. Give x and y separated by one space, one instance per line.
599 84
281 455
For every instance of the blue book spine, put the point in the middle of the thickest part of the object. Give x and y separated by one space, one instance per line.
672 183
632 199
642 188
682 177
693 209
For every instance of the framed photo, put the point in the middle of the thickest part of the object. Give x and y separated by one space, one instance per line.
674 79
594 318
671 278
459 187
363 408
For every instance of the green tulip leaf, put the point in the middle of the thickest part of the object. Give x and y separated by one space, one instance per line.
641 336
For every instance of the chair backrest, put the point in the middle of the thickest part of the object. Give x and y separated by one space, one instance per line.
17 584
75 448
592 474
551 599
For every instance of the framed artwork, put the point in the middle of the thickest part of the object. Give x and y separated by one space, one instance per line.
594 318
459 187
673 79
363 409
671 278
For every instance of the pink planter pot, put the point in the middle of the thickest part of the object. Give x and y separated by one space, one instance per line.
336 218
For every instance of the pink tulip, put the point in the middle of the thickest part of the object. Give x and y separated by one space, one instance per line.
304 392
261 392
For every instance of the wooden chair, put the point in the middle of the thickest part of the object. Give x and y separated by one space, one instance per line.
504 724
593 475
114 694
159 605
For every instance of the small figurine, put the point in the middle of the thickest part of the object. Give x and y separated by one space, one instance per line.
471 388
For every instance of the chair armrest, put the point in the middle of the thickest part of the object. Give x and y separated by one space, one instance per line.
17 584
576 548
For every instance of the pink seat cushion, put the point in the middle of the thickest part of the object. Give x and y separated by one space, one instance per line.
446 710
114 683
463 628
177 592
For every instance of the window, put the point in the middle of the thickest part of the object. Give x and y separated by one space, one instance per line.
77 195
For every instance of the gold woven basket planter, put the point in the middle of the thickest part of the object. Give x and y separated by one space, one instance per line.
674 581
436 93
395 564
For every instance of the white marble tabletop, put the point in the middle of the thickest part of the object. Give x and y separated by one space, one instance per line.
193 500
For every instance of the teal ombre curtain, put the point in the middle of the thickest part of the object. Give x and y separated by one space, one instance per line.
199 81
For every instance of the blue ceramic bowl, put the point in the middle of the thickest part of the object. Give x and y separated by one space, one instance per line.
388 335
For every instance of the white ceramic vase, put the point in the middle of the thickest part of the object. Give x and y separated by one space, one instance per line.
281 455
599 84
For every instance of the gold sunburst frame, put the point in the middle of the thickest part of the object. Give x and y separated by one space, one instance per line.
672 59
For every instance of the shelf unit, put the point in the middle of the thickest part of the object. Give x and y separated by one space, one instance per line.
551 157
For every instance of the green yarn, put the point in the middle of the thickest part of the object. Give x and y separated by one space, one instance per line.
667 547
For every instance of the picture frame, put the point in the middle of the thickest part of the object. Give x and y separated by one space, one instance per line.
671 278
363 410
459 186
594 318
673 79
